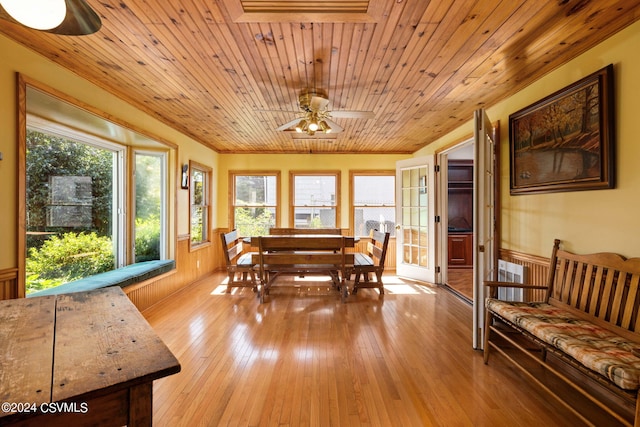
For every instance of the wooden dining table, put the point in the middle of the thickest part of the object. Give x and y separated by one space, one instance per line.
302 255
79 359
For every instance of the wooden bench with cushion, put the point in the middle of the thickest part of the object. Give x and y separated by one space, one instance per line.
589 319
303 255
371 262
240 267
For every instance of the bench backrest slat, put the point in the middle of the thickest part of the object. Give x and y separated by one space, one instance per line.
583 304
309 258
292 231
602 285
377 247
629 308
231 247
274 243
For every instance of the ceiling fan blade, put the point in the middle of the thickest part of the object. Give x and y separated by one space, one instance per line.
318 103
288 124
353 114
335 128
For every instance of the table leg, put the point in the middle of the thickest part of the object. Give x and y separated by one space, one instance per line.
141 405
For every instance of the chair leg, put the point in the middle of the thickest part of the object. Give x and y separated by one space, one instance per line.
232 276
356 282
379 279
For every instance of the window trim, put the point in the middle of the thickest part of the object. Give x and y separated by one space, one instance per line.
292 192
135 138
207 171
232 192
352 189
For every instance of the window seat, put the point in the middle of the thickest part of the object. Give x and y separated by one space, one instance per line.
125 276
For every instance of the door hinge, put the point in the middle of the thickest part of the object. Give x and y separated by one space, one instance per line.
437 168
438 269
437 218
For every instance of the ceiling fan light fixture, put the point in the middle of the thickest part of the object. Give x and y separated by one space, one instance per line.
36 14
301 126
324 127
313 126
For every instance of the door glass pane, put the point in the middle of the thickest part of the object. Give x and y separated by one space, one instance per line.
406 197
415 216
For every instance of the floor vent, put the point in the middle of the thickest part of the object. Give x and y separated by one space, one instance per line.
510 272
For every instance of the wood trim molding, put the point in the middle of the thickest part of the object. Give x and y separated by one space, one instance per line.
9 283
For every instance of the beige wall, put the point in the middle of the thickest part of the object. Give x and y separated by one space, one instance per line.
287 162
587 221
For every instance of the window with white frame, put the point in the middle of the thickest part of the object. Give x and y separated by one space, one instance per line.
315 199
254 202
373 201
76 216
200 196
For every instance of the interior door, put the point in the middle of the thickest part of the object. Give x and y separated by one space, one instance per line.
485 225
415 216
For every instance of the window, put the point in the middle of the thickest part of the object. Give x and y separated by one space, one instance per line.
200 207
150 197
315 199
373 201
254 202
78 220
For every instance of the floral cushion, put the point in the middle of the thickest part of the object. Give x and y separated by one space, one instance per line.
595 347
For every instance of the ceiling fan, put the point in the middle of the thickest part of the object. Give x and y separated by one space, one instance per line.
315 116
62 17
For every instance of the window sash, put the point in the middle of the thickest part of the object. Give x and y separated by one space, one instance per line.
254 202
315 199
373 203
199 199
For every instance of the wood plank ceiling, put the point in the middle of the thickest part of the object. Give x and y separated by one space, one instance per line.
229 72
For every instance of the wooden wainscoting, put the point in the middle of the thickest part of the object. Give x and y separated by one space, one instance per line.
191 266
537 270
8 283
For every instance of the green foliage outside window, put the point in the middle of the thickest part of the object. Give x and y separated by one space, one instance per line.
148 238
253 221
67 258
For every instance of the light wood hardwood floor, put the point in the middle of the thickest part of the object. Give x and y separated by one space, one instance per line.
305 359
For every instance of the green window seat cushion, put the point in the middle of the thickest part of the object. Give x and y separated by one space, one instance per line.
125 276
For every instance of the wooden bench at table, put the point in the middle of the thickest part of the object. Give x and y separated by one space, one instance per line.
589 319
240 267
81 359
303 255
371 262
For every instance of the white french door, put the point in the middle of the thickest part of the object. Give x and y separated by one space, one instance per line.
415 217
484 218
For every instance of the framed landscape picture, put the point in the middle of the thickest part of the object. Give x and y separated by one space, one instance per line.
565 142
